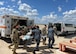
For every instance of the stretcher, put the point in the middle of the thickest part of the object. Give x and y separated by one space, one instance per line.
25 37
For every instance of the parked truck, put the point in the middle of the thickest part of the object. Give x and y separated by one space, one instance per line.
7 21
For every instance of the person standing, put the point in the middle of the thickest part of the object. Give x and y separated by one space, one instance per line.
55 29
27 32
44 34
11 36
51 39
37 36
15 37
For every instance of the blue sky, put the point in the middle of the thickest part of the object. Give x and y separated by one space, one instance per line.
42 11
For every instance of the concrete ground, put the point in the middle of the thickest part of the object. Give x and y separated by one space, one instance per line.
43 49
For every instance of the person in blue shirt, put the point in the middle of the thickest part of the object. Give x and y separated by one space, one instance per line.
37 37
51 39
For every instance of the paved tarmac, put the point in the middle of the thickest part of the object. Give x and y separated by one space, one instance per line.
43 49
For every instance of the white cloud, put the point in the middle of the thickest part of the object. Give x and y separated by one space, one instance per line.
19 2
70 12
24 7
33 12
49 18
44 20
27 9
59 9
13 6
10 11
70 16
1 2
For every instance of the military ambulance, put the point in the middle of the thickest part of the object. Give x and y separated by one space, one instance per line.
7 21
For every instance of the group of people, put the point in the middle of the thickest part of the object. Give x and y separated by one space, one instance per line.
34 32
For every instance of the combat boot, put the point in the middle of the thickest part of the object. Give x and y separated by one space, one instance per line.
44 43
9 47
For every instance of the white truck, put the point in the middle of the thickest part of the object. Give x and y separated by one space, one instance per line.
7 21
64 28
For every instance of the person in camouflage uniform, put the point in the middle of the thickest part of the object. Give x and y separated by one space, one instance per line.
15 38
44 34
24 32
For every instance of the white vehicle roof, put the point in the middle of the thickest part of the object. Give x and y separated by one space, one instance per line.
13 17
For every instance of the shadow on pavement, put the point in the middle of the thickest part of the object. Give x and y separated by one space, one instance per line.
69 36
41 49
47 52
70 51
8 40
23 53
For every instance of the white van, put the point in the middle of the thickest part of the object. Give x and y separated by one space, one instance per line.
65 28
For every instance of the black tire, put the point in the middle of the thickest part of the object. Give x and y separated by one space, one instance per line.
75 32
0 35
66 33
